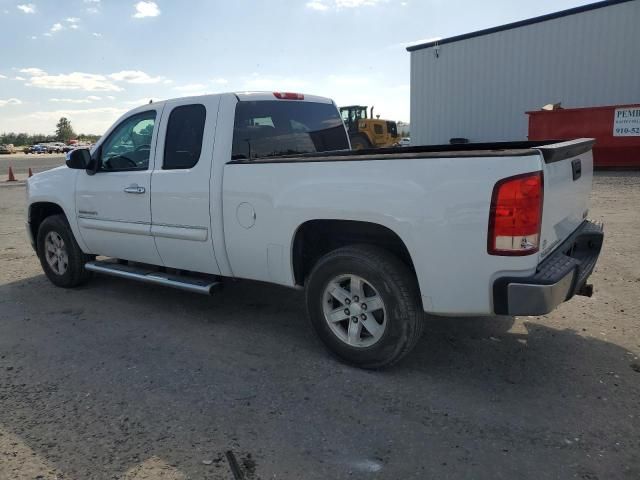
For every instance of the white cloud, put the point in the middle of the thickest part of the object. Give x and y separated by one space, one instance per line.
96 34
70 81
2 77
27 8
33 71
110 97
93 6
69 100
87 111
10 101
56 28
323 5
146 9
135 76
89 99
219 81
34 37
19 78
317 5
355 3
73 23
87 81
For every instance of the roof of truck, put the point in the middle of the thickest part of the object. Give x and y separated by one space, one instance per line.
252 96
256 96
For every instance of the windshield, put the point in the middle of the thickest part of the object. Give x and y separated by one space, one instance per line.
273 128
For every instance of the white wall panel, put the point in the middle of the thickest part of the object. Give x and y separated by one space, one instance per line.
480 88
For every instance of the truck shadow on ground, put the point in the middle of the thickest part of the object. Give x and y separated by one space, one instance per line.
106 376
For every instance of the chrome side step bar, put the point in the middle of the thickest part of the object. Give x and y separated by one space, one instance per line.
204 284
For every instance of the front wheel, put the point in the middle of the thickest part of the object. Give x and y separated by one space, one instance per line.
60 256
360 142
364 305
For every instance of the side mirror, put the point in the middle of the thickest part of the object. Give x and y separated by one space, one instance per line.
79 159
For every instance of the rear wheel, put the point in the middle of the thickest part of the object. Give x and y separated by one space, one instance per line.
360 142
60 256
364 305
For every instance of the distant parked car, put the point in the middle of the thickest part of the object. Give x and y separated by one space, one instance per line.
7 148
54 147
68 148
404 142
26 149
38 149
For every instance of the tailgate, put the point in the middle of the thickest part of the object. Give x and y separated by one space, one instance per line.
568 173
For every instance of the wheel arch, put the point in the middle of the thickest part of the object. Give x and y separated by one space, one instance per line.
38 211
315 238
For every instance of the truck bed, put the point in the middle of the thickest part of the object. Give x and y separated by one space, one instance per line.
552 150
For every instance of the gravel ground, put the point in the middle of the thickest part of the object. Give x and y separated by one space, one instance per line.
119 380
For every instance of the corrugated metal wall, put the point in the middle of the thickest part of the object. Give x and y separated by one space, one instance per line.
480 88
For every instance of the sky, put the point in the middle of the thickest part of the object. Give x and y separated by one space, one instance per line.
92 60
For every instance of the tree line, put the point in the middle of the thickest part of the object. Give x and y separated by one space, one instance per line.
64 133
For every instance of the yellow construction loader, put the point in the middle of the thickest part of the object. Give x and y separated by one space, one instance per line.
366 131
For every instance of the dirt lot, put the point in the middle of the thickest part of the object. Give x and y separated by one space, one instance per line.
123 380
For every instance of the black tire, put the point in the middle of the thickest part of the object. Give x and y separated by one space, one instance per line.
395 284
360 142
75 273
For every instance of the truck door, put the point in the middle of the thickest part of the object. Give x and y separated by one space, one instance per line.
112 206
180 203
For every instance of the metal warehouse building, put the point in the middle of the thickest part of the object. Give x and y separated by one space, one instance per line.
479 85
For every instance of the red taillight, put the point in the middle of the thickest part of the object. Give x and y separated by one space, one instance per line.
515 217
288 96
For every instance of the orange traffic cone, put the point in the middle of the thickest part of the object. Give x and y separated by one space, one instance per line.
30 172
11 178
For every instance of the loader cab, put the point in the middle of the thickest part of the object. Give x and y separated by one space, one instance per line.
351 115
366 132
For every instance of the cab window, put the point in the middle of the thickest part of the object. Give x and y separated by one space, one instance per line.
185 131
129 145
273 128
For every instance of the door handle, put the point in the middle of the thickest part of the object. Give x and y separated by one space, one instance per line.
134 189
576 167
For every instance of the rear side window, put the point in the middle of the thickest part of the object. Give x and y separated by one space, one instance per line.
275 128
183 143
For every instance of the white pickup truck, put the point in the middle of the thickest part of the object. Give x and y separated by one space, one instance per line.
263 186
